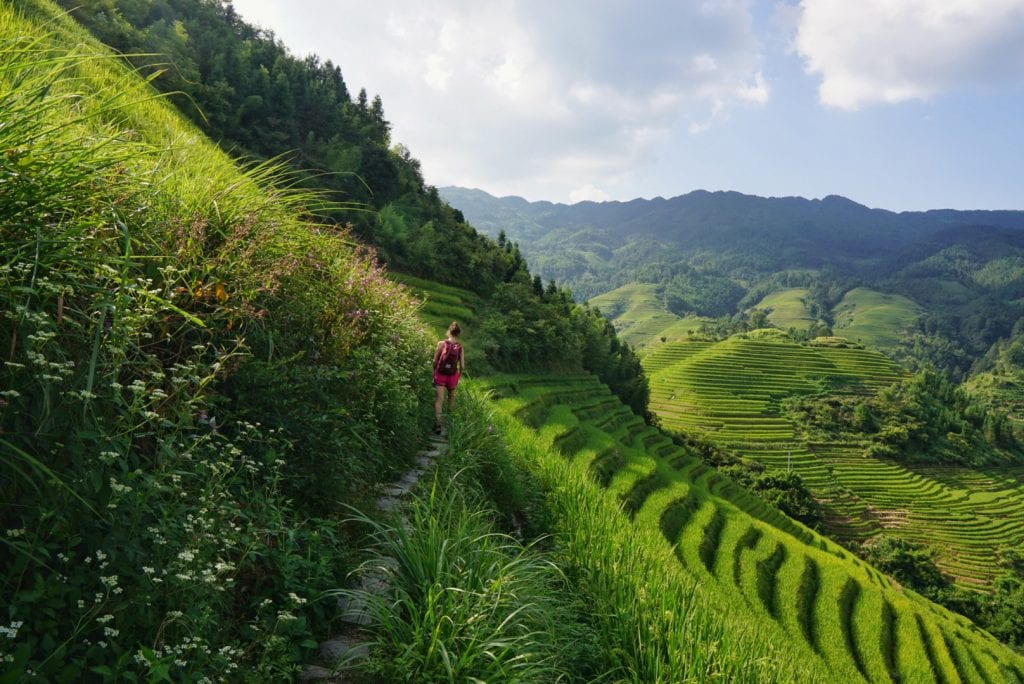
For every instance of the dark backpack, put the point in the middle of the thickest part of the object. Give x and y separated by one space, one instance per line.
448 363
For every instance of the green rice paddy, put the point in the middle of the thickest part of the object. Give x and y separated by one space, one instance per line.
442 304
874 318
639 316
833 609
787 308
729 392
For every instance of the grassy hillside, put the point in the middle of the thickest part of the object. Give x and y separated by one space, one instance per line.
733 394
787 308
639 316
766 599
183 353
797 591
874 318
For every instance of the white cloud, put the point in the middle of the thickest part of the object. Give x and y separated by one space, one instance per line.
889 51
520 94
588 193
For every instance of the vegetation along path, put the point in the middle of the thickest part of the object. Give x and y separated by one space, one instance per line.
350 645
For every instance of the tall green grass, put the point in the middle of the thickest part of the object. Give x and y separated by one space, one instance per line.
152 512
654 623
465 603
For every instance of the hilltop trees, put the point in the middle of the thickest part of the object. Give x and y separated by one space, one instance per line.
527 330
923 418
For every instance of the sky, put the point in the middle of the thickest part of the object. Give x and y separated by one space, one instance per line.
896 104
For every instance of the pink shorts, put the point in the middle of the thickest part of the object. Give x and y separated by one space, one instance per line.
449 381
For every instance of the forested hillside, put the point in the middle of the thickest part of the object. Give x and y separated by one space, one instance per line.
244 89
718 254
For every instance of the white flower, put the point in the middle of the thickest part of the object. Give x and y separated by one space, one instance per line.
11 632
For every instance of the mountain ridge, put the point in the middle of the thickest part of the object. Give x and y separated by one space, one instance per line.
832 198
832 230
719 253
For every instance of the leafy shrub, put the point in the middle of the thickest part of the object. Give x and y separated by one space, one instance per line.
909 563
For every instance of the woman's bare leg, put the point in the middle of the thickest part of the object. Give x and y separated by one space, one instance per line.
438 403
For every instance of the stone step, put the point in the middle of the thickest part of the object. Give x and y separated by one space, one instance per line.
354 609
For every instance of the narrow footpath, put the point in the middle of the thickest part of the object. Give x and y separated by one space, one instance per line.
350 644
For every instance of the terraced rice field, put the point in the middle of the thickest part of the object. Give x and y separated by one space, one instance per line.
787 579
729 392
874 318
442 304
639 316
787 308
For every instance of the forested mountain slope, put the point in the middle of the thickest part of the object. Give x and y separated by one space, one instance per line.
718 254
795 232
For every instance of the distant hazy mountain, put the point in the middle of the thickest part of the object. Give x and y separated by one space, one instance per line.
719 253
787 232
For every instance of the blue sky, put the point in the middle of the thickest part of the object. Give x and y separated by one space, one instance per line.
897 104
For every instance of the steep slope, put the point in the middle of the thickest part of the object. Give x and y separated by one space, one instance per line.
734 394
803 590
183 349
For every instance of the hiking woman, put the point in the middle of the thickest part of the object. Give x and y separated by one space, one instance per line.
449 364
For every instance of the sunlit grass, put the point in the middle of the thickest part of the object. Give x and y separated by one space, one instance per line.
140 271
787 308
874 318
796 590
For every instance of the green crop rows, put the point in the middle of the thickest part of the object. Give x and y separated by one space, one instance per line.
804 588
639 315
874 318
787 308
442 304
730 392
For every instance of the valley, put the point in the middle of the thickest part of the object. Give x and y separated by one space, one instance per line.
714 437
731 393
